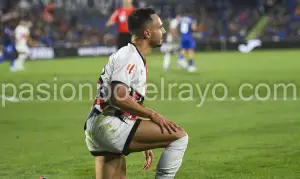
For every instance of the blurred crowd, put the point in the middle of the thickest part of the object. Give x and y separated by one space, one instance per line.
234 20
67 23
284 22
53 26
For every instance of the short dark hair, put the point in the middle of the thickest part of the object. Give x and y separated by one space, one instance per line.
138 18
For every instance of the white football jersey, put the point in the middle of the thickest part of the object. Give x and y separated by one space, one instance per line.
126 67
21 34
173 25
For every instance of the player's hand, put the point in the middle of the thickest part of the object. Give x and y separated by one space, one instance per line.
149 159
164 123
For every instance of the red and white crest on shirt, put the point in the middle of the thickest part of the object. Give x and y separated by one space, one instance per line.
123 17
130 67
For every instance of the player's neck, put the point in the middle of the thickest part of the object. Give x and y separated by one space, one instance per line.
127 6
142 46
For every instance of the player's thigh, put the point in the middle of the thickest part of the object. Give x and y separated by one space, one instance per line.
108 134
149 136
109 166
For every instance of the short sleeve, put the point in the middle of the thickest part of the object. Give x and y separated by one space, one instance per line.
123 71
114 16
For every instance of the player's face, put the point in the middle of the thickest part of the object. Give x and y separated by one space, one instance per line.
157 31
22 22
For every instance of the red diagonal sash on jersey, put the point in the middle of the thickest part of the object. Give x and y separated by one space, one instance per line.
130 67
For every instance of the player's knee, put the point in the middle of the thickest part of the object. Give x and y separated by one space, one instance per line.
186 140
180 143
180 134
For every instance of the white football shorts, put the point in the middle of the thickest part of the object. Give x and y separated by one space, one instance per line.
169 47
22 49
109 134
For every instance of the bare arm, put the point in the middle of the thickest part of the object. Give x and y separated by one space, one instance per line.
174 33
194 26
112 20
121 99
110 23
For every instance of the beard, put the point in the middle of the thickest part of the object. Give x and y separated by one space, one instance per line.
154 44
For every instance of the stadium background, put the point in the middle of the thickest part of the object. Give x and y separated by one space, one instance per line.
232 138
64 26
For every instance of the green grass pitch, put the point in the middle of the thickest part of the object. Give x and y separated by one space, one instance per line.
229 139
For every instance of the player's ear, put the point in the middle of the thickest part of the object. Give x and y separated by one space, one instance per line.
147 34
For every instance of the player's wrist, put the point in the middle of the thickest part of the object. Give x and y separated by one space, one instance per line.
152 115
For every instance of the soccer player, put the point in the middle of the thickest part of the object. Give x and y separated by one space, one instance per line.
21 36
120 16
8 45
114 127
187 25
170 46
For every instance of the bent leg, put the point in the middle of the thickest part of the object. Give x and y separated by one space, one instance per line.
19 62
149 136
191 53
181 62
191 66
